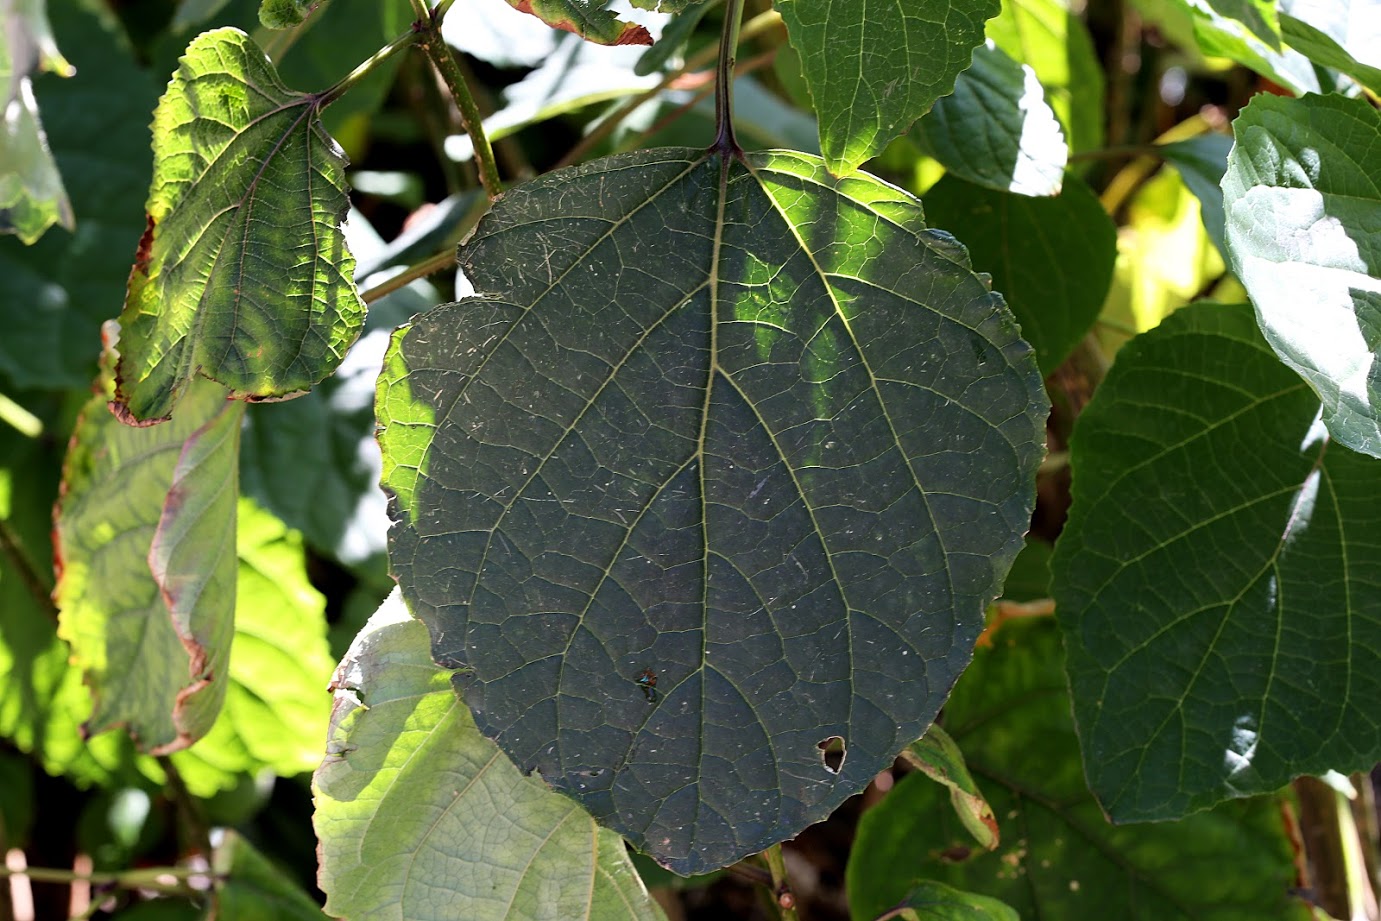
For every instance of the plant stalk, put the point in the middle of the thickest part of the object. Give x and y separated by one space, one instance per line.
724 141
138 878
443 59
364 70
429 266
782 896
12 550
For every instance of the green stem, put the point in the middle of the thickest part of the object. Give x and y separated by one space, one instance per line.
140 878
751 29
19 418
443 59
724 80
12 549
364 70
782 896
430 266
441 10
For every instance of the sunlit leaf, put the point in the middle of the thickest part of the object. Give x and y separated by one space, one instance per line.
422 818
1051 258
1342 34
996 129
284 14
586 18
727 425
874 68
243 275
1304 233
1216 581
146 534
1248 32
1060 858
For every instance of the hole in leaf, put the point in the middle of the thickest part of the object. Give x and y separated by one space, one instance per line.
832 752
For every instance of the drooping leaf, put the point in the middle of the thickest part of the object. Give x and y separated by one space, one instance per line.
253 889
586 18
874 68
146 533
1054 42
723 466
1248 32
996 129
1060 858
1342 34
1201 162
932 901
284 14
1303 203
1229 641
55 294
243 275
32 197
407 785
936 756
275 713
1052 258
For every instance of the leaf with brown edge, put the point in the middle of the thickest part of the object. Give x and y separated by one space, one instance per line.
586 18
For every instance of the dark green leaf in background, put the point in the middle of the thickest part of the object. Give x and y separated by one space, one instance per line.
1054 42
146 537
284 14
1059 857
411 798
1201 162
243 275
54 294
1303 200
874 68
253 889
735 425
1217 581
1342 34
586 18
931 901
1051 258
996 129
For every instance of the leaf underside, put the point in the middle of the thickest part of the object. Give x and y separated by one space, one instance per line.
243 275
1229 641
724 465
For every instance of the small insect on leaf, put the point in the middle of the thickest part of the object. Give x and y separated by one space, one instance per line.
647 680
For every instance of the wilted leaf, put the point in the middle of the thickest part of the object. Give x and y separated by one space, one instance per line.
55 294
1304 235
243 275
1060 858
723 466
874 68
1229 641
1342 34
936 756
996 129
1054 42
407 786
1052 258
586 18
146 533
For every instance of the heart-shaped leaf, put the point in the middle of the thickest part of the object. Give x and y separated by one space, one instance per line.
243 274
874 68
1231 640
717 474
1304 234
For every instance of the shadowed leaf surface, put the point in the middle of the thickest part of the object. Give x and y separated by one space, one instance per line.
1201 162
1217 581
996 129
243 275
1052 258
1303 203
1059 857
422 818
146 533
874 68
725 464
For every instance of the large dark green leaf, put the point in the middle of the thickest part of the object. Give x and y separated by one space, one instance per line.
243 275
1217 580
1059 857
874 68
1303 203
996 129
146 536
727 425
421 817
54 294
1052 258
